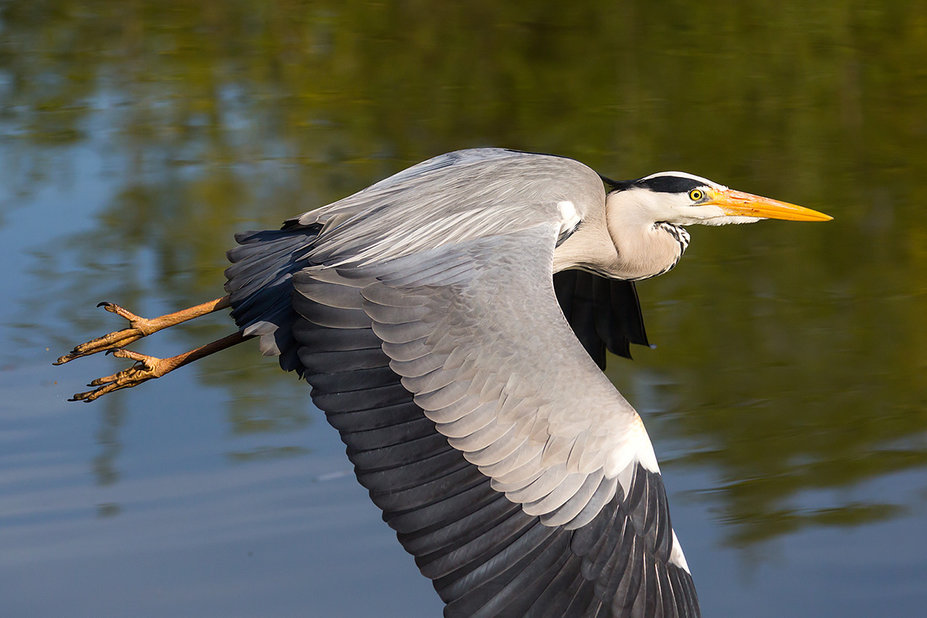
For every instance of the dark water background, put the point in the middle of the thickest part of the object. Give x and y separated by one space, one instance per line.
786 398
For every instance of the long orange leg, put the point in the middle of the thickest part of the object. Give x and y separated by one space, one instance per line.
149 367
139 327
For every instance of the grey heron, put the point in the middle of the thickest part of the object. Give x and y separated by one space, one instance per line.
452 321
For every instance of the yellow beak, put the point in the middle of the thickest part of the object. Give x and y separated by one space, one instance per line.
738 203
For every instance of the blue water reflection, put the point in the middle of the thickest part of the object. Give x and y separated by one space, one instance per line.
785 398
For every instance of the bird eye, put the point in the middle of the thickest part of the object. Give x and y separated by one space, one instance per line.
696 194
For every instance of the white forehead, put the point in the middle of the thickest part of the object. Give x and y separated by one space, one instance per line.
709 183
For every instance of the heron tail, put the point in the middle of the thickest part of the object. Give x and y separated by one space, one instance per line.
260 290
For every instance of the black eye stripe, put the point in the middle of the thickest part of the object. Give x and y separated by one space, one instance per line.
669 184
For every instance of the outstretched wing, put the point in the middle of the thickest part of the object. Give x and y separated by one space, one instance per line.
424 316
511 468
452 197
605 314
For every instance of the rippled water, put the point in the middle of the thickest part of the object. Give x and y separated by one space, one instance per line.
785 397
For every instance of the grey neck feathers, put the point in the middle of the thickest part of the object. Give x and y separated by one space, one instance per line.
622 248
646 247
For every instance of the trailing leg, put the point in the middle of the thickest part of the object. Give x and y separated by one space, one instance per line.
149 367
139 327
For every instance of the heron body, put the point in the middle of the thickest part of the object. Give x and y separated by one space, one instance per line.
452 321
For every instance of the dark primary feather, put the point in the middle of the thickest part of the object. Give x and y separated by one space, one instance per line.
604 313
484 555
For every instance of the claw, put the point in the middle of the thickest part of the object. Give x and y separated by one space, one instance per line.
150 367
145 368
138 328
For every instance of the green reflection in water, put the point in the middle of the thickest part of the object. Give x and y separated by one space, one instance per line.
793 356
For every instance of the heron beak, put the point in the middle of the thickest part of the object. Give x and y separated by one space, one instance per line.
738 203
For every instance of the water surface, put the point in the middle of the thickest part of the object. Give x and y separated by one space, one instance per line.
785 397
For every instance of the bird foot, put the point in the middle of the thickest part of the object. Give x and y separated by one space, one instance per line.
145 368
138 328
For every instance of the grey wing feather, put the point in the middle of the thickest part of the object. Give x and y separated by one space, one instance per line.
484 553
450 199
565 418
518 485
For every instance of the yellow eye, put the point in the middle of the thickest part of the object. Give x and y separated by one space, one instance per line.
696 194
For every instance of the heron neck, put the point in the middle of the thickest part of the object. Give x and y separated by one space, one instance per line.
587 248
645 248
622 241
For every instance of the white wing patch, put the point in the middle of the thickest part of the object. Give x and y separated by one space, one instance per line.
569 216
676 555
642 446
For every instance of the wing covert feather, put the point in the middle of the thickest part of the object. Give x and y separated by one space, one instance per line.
512 470
497 314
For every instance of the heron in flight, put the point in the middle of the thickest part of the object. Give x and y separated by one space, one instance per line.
452 321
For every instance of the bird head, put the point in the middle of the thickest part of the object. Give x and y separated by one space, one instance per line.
680 198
